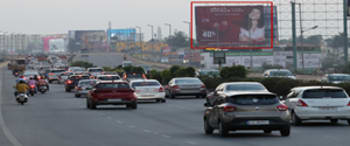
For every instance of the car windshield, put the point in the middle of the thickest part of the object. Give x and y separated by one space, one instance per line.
141 84
280 73
324 93
113 85
107 78
188 81
254 99
57 71
340 78
245 87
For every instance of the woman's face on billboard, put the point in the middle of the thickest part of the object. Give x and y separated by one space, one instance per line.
255 14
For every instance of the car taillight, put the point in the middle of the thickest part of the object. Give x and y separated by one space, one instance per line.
78 88
32 86
203 86
176 87
69 82
301 103
161 89
349 103
229 108
282 107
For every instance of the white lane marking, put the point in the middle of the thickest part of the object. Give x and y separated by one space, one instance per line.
147 131
131 126
191 142
119 122
3 126
166 136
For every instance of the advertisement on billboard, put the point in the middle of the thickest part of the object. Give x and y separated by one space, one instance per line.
87 39
57 45
122 34
233 26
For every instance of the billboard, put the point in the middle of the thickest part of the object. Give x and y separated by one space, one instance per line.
57 45
234 26
87 39
128 34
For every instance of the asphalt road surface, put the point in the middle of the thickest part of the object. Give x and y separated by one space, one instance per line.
58 119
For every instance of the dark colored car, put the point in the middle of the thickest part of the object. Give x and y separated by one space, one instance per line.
247 111
112 93
186 86
73 81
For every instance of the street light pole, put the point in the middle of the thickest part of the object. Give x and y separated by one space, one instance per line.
149 25
169 25
301 38
189 28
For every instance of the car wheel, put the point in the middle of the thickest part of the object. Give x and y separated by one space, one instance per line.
50 82
67 90
77 95
92 104
132 105
88 104
207 128
285 132
223 132
349 122
267 131
296 121
163 100
334 121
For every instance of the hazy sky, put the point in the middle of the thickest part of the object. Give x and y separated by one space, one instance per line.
59 16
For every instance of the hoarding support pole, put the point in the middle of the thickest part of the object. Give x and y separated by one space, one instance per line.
345 31
294 33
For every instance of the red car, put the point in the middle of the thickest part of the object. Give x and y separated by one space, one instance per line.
112 93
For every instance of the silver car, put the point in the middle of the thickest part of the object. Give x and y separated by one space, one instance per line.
84 86
186 86
318 103
279 73
246 111
336 78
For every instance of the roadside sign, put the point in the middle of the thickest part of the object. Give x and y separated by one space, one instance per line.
219 57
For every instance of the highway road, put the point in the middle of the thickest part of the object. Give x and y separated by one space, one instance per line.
59 119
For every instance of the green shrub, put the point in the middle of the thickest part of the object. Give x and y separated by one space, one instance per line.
234 71
154 74
82 64
166 76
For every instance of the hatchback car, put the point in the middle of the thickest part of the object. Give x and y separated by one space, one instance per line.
148 90
112 93
247 111
186 87
318 103
279 73
53 75
84 86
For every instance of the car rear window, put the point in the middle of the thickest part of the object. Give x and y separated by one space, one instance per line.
280 73
57 71
188 81
113 85
245 87
324 93
140 84
109 78
254 100
95 70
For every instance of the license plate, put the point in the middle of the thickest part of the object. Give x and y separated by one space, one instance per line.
328 108
258 122
43 87
114 100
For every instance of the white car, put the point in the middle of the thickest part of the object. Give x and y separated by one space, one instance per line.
318 103
148 89
279 73
95 71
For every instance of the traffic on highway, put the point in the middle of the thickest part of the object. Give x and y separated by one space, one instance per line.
174 73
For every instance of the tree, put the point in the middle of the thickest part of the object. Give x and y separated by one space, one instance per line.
178 40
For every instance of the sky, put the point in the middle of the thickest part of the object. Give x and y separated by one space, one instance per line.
59 16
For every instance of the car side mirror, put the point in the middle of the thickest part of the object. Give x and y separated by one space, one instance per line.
206 104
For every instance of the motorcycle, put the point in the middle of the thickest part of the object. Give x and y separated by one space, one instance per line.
32 90
42 88
22 98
